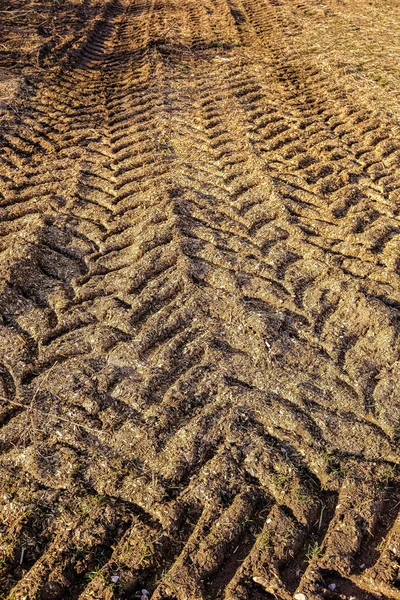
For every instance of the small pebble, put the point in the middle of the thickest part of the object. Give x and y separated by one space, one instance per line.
114 578
300 597
332 587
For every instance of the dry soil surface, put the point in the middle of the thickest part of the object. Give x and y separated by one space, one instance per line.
200 299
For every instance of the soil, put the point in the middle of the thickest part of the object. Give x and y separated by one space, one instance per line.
200 299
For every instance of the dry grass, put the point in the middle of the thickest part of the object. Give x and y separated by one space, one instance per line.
29 28
357 43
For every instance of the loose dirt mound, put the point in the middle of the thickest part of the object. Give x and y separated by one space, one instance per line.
199 357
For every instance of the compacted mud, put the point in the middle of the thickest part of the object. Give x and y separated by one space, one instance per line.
200 277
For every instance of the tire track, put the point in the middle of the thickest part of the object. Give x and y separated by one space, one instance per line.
201 301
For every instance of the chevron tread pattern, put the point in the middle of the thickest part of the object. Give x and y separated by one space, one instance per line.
199 314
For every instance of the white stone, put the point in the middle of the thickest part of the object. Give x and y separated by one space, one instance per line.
259 580
300 596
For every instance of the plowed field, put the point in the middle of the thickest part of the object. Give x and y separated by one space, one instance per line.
200 299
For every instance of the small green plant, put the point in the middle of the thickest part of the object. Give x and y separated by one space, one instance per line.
385 476
381 546
89 503
95 573
334 466
264 540
328 457
281 479
246 520
163 577
338 472
147 553
300 496
288 536
313 552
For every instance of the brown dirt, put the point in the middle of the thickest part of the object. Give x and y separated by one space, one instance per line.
200 299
